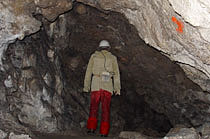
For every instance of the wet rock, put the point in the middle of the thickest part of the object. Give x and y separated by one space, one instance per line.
184 133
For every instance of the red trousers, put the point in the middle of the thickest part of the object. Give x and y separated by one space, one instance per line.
104 97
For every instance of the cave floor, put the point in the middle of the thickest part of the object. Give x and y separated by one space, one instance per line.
73 137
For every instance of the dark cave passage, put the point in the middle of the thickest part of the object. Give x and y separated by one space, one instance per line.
129 111
153 88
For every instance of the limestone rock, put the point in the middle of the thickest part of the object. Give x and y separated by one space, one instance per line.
45 3
196 12
183 133
8 82
41 87
132 135
3 135
16 19
153 20
3 96
205 137
9 123
204 130
22 136
34 98
15 23
51 9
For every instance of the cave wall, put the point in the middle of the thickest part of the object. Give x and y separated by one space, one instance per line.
32 69
153 20
17 21
146 74
32 96
196 13
189 48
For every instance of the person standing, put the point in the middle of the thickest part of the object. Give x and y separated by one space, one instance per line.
102 78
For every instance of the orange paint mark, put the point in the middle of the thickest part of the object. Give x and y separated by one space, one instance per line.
179 23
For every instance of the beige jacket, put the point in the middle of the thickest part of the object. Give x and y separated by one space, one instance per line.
102 73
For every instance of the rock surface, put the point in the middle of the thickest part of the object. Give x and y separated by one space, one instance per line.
153 20
195 12
132 135
52 8
42 75
3 134
31 92
182 133
22 136
17 21
190 49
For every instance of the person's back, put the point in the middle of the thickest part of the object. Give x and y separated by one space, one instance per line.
103 69
101 73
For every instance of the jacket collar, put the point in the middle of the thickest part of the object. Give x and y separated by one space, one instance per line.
103 51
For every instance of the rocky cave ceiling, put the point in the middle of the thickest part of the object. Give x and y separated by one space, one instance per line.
163 53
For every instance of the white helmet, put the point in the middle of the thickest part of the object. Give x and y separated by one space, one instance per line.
104 43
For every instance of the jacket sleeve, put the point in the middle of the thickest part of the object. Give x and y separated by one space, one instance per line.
88 75
116 76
